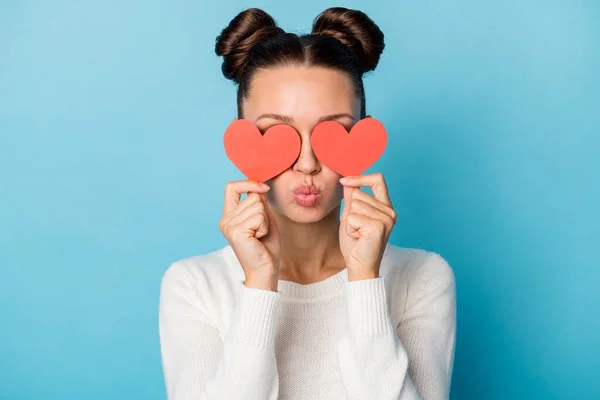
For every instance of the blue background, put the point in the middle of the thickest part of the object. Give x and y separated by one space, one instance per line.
111 168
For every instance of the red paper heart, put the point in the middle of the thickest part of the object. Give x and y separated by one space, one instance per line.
261 157
349 153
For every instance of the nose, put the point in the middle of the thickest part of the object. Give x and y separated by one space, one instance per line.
307 163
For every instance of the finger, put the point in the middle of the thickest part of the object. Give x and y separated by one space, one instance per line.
253 208
234 190
233 217
347 200
254 202
263 199
367 198
375 181
364 226
363 208
251 199
250 224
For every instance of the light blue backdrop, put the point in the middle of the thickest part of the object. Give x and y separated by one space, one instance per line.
111 167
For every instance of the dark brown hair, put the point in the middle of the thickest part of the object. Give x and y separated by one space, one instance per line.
342 39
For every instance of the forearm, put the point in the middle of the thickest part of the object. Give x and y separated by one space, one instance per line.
199 364
373 362
248 367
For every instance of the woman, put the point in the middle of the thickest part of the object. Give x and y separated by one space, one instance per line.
303 303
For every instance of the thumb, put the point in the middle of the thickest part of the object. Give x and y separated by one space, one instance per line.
270 216
347 199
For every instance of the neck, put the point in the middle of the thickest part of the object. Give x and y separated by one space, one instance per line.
309 252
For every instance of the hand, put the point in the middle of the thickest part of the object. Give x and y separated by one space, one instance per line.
365 225
251 230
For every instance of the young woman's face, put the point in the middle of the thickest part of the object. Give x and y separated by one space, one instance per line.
302 97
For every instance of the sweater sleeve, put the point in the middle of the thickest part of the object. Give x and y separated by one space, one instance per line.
412 360
197 362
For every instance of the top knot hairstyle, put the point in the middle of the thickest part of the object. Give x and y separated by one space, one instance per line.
342 39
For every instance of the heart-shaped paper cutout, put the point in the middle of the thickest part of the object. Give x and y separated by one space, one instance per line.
261 157
349 153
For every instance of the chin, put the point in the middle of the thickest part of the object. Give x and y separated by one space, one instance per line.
305 216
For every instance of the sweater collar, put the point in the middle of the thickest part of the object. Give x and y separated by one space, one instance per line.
316 290
328 287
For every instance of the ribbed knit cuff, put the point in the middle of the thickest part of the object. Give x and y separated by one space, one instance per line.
254 318
367 308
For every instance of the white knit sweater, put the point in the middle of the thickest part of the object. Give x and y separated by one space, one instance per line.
392 337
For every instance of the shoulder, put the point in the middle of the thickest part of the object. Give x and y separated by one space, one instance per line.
209 278
398 259
214 267
413 263
413 274
206 283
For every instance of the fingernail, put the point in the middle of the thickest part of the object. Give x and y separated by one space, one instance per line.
345 180
264 186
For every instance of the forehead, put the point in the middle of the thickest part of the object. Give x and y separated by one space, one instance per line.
301 92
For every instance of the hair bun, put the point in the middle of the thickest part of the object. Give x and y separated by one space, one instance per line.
235 43
355 30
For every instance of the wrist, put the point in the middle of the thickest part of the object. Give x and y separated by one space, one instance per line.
262 282
359 275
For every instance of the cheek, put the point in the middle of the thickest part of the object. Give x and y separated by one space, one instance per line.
278 188
332 181
338 194
329 173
